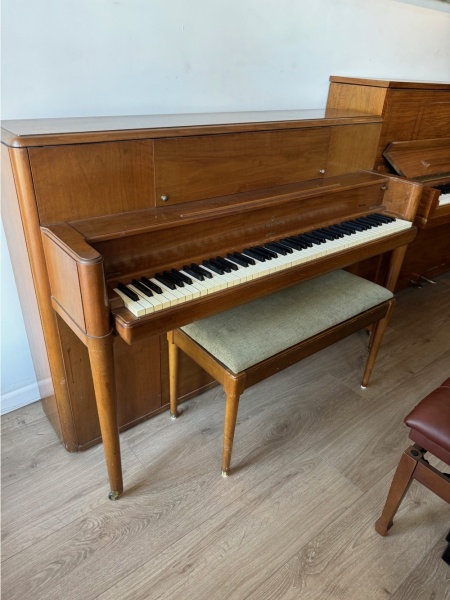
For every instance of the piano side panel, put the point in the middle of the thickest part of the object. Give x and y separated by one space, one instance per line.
57 407
64 282
193 168
363 98
352 148
15 237
88 180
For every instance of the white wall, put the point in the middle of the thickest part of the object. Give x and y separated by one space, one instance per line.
105 57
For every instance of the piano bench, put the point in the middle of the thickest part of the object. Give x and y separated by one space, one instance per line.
429 424
246 344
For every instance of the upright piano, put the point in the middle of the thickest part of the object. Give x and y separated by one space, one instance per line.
413 143
112 219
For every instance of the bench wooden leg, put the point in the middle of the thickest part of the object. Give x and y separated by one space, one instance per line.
376 337
399 486
233 390
173 375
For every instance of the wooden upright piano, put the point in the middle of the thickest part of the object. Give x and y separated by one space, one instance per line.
416 124
94 203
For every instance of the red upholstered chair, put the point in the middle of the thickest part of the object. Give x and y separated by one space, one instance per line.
429 424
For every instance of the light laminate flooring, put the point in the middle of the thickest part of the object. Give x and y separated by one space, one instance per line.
313 460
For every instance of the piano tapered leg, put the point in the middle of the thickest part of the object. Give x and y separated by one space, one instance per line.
102 365
395 265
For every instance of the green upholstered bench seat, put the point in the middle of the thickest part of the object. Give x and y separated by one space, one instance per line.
246 335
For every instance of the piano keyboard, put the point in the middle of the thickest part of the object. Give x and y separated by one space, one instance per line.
167 289
444 198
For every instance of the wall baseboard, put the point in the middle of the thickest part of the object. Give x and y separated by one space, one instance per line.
24 395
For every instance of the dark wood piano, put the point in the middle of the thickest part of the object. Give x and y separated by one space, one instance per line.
413 143
97 204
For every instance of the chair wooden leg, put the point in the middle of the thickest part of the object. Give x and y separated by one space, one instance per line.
173 375
233 391
376 338
399 486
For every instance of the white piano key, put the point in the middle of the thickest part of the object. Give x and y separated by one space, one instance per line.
143 299
444 199
174 296
134 307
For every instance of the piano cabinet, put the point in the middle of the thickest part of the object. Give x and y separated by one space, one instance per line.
108 177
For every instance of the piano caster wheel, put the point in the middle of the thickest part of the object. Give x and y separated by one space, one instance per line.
113 495
173 416
225 474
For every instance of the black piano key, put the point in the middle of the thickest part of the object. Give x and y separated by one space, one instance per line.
260 250
268 251
155 288
328 234
184 278
347 227
142 288
225 266
443 187
355 225
132 295
193 273
306 237
338 230
174 278
255 255
300 239
239 261
217 264
371 222
383 218
291 244
319 236
209 264
297 239
223 261
278 248
201 271
248 259
167 282
362 223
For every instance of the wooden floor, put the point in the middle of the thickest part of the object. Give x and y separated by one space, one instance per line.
314 456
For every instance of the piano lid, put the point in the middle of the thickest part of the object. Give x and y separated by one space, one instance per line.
392 83
420 159
47 132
